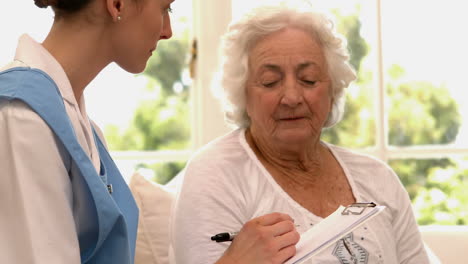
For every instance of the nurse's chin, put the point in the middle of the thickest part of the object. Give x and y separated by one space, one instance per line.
136 68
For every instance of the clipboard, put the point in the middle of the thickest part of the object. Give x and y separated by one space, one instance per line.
331 229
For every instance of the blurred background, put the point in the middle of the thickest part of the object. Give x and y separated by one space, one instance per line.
405 108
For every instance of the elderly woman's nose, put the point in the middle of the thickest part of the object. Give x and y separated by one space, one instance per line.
292 95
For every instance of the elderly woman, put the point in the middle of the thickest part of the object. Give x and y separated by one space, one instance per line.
284 75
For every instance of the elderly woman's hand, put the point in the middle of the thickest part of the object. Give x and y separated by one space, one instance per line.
266 239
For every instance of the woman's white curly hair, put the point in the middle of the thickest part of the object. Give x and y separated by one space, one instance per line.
242 35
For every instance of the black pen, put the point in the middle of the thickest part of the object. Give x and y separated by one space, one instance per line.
228 236
224 237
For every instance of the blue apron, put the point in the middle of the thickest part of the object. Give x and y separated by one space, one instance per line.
115 209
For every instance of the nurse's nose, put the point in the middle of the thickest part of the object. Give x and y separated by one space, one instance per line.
166 32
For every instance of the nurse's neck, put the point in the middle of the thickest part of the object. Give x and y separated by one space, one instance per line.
80 49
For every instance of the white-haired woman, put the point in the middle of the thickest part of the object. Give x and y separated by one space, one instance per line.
283 76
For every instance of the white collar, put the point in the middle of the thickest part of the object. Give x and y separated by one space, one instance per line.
34 55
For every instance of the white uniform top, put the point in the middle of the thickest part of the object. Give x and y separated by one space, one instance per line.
37 223
225 186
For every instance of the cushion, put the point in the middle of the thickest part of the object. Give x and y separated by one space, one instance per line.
449 243
154 202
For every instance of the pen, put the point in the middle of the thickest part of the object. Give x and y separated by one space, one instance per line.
227 236
224 237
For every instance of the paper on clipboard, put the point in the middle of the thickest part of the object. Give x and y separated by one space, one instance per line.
337 225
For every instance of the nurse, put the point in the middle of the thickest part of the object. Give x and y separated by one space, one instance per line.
62 199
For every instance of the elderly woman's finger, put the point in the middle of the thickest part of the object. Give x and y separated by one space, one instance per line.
285 254
272 218
282 228
287 239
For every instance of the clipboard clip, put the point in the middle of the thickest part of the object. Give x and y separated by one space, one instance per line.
357 208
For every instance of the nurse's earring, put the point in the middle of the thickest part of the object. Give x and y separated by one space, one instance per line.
115 8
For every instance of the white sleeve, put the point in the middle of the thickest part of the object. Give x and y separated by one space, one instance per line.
409 243
37 224
209 202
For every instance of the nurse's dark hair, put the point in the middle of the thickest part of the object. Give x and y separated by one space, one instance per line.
63 6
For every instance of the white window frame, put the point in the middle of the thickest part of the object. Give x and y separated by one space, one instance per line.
382 149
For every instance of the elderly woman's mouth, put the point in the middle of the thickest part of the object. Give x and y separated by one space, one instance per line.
292 118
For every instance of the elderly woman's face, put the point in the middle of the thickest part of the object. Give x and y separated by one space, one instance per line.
288 96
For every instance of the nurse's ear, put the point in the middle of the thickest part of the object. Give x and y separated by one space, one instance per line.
115 7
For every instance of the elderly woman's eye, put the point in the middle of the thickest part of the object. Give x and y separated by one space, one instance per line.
270 84
309 82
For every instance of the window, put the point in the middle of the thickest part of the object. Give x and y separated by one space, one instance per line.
426 118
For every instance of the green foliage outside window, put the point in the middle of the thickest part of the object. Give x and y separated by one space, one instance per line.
355 129
160 123
437 188
444 200
419 113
